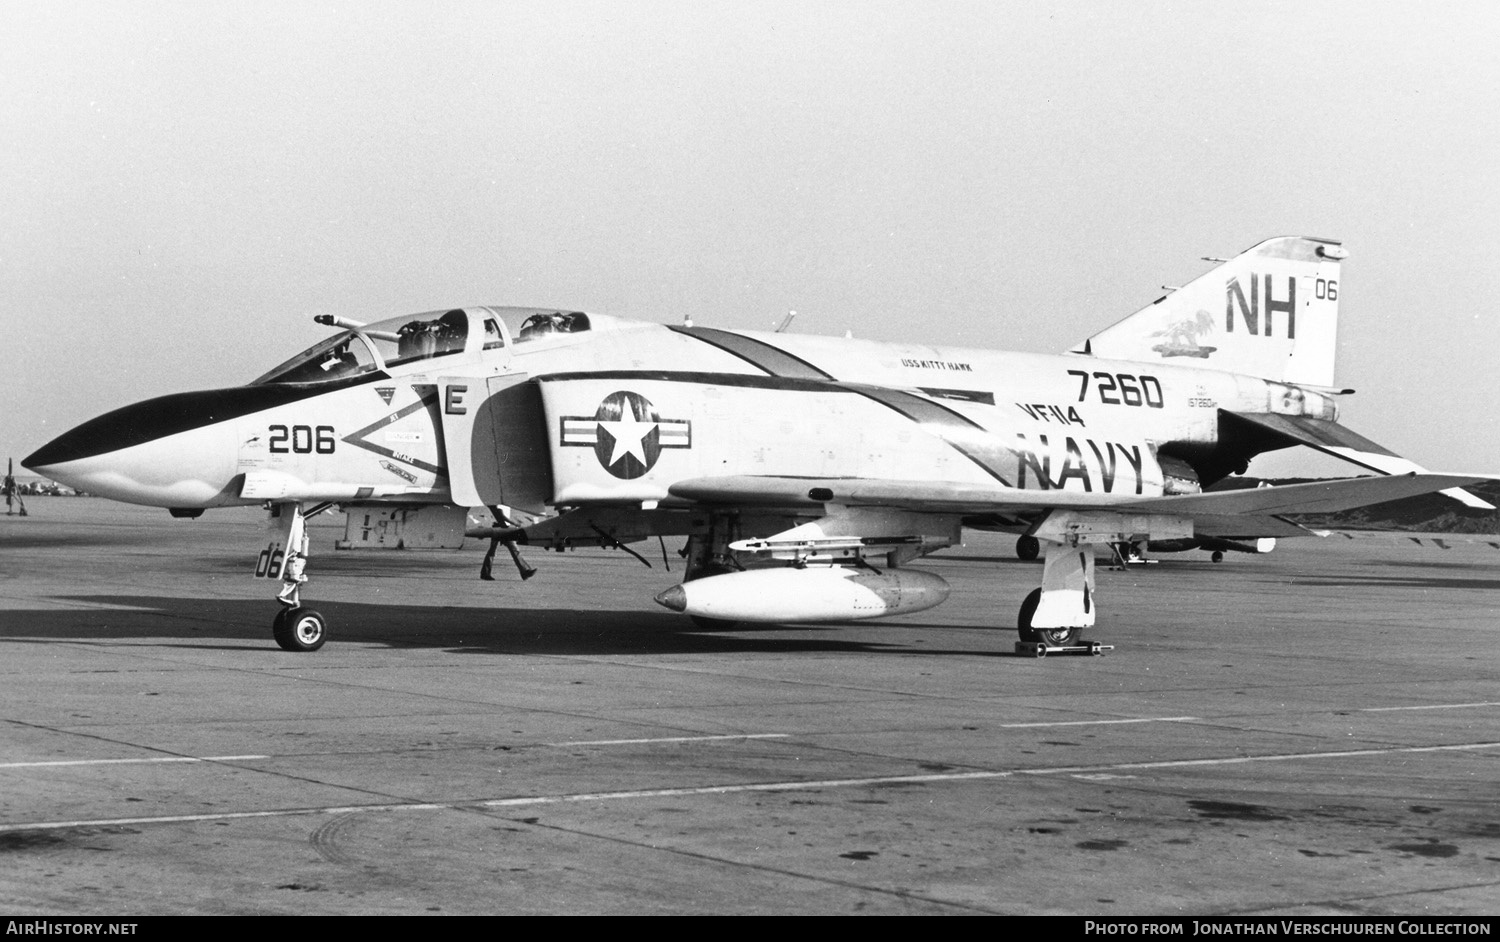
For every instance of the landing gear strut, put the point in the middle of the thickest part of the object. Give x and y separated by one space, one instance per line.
296 627
1054 615
1064 605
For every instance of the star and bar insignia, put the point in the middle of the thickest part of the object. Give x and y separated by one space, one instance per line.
626 433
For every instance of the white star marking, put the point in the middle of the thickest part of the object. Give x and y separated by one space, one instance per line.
629 434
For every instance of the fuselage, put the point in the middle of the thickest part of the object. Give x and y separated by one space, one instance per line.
557 408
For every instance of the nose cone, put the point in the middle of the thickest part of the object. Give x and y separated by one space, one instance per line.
674 598
109 432
175 451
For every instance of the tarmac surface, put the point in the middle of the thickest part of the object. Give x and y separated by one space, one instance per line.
1316 731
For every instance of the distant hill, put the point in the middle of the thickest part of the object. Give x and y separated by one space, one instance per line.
1429 513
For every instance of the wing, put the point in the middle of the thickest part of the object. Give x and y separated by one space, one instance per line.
958 498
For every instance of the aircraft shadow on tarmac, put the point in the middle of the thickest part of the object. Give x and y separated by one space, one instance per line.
198 622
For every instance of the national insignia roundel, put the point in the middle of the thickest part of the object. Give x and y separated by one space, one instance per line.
626 433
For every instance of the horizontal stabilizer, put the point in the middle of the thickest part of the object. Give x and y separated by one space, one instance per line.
1333 439
1312 497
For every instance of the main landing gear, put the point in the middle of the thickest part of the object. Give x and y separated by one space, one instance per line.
1053 616
1040 642
296 627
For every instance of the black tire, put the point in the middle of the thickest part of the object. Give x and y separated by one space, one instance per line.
1218 556
299 629
1028 609
1028 548
1056 637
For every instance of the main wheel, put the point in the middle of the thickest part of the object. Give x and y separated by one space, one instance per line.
1057 637
1028 548
299 629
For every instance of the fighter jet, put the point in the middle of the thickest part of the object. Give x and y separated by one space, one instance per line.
807 473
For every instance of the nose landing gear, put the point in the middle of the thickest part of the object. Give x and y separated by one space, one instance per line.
296 627
299 629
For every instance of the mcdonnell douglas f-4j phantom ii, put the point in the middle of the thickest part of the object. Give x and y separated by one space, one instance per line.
805 472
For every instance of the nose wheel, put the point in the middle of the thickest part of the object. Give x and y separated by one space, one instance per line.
296 627
299 629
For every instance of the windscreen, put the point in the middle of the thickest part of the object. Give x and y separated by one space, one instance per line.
337 357
372 347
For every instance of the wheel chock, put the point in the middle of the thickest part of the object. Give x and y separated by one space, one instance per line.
1038 649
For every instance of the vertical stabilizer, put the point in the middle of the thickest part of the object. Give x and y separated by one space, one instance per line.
1271 311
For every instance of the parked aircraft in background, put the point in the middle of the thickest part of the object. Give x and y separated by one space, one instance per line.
806 472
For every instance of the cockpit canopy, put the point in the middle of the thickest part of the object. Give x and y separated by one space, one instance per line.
397 341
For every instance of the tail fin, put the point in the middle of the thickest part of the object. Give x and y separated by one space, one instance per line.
1271 311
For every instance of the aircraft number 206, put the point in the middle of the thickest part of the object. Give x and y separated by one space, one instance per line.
1121 389
304 439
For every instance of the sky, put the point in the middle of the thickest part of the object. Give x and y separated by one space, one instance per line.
184 185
